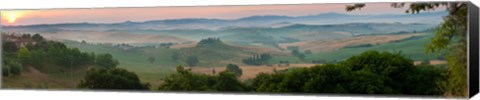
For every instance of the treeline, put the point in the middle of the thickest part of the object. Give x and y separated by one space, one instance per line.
35 51
296 52
359 46
371 72
186 80
257 59
112 79
209 41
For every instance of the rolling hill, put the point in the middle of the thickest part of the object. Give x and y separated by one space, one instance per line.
252 21
140 46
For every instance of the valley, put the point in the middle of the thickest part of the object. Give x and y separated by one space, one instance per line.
153 49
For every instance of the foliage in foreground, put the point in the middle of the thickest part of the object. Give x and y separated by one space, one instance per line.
11 67
41 53
371 72
235 69
185 80
112 78
451 35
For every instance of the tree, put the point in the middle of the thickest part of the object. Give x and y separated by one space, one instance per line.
428 78
113 78
371 72
301 56
15 68
235 69
258 59
27 36
26 57
11 67
394 66
295 52
450 35
9 46
106 60
192 61
267 82
37 38
227 81
209 41
185 80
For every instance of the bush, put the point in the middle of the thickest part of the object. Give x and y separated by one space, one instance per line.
235 69
106 61
112 78
9 46
227 81
15 69
11 67
37 38
185 80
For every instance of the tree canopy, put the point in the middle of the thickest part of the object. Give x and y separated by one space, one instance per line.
106 60
52 54
451 35
112 78
185 80
209 41
235 69
371 72
257 59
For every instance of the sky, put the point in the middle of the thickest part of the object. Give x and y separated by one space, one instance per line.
116 15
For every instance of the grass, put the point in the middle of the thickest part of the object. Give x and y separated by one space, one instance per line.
411 48
136 59
31 78
210 56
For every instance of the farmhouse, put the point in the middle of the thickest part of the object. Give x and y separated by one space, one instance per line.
19 39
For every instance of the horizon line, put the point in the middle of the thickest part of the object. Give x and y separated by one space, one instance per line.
224 19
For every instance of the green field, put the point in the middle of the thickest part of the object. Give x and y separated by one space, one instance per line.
136 59
413 48
232 51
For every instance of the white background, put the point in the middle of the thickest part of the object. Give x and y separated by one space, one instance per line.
83 95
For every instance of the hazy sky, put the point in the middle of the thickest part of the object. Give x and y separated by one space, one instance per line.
113 15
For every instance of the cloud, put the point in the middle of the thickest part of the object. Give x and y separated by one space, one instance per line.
112 15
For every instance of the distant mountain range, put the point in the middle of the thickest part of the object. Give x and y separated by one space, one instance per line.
252 21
